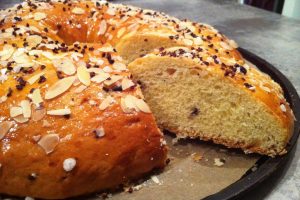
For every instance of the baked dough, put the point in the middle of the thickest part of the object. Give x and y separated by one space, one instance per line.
73 121
199 94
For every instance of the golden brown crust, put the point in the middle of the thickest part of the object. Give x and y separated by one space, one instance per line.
102 163
91 132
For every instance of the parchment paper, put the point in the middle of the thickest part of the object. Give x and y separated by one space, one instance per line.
193 172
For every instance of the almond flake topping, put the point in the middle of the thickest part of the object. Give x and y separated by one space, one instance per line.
187 42
20 119
113 79
100 77
225 46
111 11
59 87
39 16
83 75
49 142
128 104
282 108
4 128
78 11
26 107
36 138
65 111
102 28
106 102
127 83
21 57
34 40
65 65
36 97
3 99
38 114
119 66
121 32
141 104
6 52
69 164
80 89
16 111
34 78
233 44
106 49
198 41
97 61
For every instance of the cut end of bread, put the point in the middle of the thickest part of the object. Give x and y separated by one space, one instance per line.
191 101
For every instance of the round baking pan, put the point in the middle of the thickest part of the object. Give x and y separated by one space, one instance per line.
266 166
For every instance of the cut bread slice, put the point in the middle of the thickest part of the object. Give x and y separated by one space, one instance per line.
236 106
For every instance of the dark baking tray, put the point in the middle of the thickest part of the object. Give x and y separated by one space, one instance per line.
266 166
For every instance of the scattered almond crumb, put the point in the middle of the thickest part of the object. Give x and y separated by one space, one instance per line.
219 162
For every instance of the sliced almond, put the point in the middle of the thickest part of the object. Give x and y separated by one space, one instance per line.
16 111
34 29
21 57
102 28
127 83
59 112
4 128
36 138
141 104
80 89
3 99
111 11
26 107
187 42
21 119
34 78
38 114
6 52
100 77
49 142
128 104
106 102
225 46
282 107
97 61
124 107
59 87
113 79
95 70
78 11
119 66
233 44
83 75
34 40
121 32
36 97
106 48
65 65
39 16
198 41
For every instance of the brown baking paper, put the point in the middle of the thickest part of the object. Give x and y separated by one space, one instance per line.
195 171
